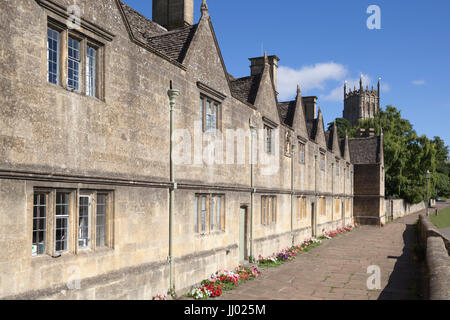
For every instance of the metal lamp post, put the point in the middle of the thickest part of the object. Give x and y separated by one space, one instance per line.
428 192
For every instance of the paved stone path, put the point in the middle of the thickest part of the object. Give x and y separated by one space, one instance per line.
338 268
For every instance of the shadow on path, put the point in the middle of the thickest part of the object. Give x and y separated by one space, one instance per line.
406 280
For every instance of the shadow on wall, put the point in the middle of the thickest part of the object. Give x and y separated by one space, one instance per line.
407 279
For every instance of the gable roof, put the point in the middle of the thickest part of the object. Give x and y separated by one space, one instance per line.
287 112
365 150
245 89
171 45
174 44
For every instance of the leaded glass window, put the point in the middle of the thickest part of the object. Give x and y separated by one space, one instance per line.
101 220
52 56
62 222
74 59
39 223
91 66
83 222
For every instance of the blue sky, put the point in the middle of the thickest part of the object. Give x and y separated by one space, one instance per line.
322 43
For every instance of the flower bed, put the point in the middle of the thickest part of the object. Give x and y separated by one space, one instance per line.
222 281
339 231
288 254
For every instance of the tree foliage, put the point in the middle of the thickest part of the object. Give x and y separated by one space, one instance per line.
407 156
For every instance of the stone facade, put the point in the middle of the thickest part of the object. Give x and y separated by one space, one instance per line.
116 145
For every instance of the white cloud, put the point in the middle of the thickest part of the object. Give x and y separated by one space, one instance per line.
309 77
418 82
337 94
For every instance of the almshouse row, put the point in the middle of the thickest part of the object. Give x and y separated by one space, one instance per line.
85 167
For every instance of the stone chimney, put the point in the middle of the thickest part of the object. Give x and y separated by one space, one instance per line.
257 67
361 132
173 14
310 105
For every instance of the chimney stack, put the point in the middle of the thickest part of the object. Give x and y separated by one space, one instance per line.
173 14
257 67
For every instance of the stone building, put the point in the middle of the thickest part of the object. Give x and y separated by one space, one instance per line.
361 104
367 156
85 161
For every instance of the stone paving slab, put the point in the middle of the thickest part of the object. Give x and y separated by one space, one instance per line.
338 268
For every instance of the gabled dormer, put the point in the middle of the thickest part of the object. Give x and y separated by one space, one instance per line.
293 115
345 151
318 131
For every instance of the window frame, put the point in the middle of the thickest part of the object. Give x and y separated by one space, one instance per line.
210 227
269 210
72 220
204 100
322 206
302 213
46 222
85 39
302 153
55 28
323 161
269 139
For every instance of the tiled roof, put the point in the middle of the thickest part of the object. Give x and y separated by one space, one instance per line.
287 112
364 150
171 44
174 44
245 89
141 27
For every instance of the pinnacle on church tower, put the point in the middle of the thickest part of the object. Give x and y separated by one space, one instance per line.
204 8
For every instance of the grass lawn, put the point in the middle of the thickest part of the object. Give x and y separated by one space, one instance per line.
442 220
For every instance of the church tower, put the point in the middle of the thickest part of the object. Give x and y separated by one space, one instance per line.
361 104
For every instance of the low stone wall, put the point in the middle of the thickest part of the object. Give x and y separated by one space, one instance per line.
437 257
397 208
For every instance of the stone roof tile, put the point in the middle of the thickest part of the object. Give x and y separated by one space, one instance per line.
245 89
365 150
287 111
174 44
171 44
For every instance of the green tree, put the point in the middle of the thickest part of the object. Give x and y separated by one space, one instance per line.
343 126
408 157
